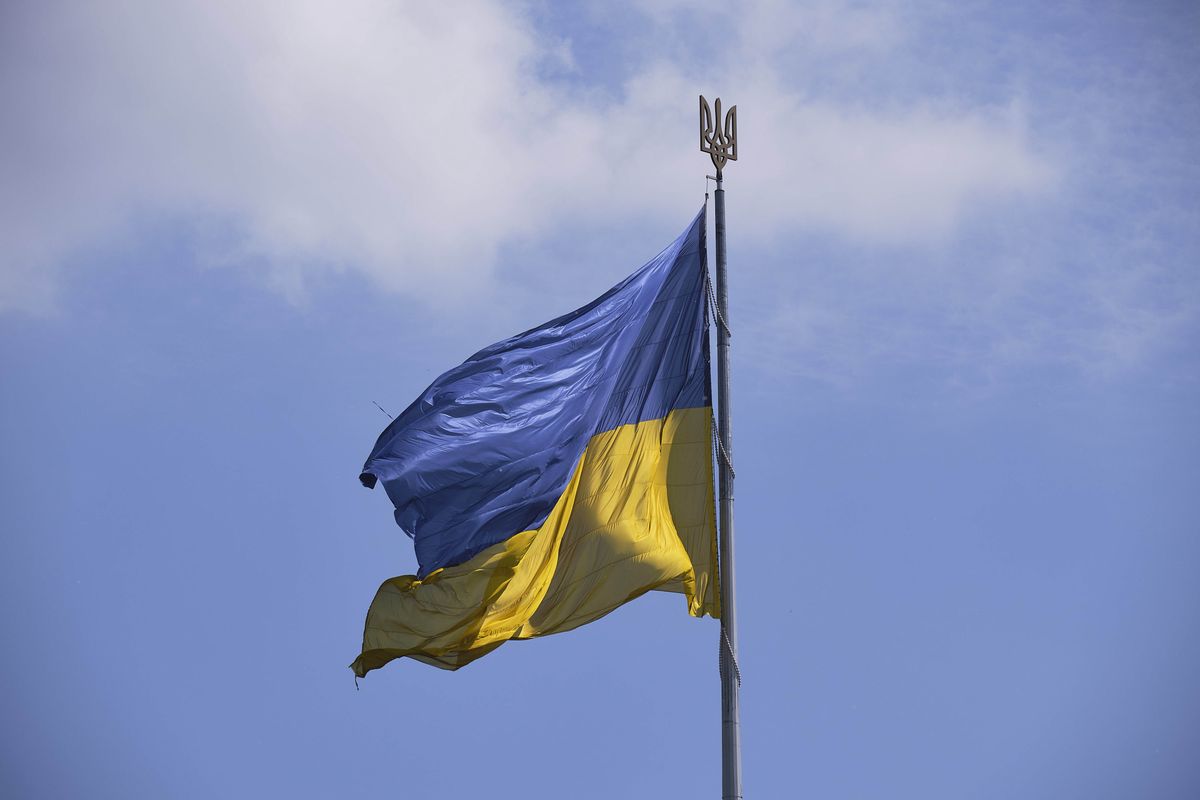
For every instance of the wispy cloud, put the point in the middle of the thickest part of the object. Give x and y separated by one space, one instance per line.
938 189
410 142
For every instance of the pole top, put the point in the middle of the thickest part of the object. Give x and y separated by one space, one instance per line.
719 140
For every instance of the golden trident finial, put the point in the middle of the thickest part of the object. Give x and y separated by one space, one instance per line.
719 140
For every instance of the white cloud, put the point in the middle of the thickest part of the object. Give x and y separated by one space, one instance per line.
411 141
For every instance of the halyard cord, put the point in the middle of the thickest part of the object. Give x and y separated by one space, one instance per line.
725 646
721 451
712 302
727 650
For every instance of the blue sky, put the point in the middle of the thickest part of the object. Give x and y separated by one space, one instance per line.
963 252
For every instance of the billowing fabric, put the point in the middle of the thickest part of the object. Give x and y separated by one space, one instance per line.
636 515
487 449
555 475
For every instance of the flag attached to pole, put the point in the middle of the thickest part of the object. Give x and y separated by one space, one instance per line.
556 475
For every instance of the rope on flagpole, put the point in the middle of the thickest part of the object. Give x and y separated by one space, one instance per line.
726 647
727 652
713 304
722 453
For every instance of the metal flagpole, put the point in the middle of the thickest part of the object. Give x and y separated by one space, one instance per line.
718 138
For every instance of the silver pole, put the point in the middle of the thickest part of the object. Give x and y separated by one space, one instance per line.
731 740
718 138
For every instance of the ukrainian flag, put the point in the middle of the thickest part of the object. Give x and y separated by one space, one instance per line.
556 475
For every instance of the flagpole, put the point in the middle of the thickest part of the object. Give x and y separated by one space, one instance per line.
718 138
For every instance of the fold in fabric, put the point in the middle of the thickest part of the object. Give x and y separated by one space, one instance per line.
637 515
556 475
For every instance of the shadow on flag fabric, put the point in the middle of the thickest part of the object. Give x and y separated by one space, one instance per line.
556 475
